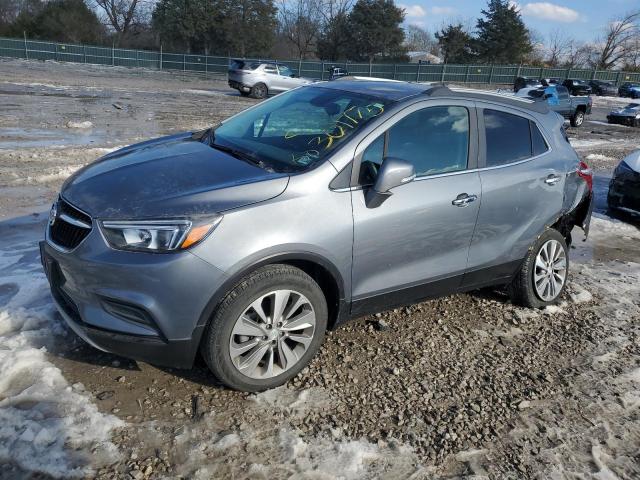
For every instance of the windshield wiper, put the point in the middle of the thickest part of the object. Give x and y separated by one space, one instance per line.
208 136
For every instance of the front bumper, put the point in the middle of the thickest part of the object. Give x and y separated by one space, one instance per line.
628 120
624 192
144 306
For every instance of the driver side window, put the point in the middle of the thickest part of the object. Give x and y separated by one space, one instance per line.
434 139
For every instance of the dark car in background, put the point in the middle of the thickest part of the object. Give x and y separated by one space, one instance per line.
551 81
629 89
577 87
602 87
627 115
524 82
337 72
624 188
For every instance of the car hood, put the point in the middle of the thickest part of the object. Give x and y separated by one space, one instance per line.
172 176
631 111
633 160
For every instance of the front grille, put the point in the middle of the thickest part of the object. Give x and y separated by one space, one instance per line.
70 226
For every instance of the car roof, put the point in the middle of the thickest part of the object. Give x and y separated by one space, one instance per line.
397 91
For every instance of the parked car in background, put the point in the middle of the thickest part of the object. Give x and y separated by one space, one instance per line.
628 115
601 87
260 79
629 89
524 82
577 87
337 72
557 97
246 241
624 188
551 81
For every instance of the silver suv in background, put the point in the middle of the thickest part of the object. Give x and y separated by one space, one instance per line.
246 241
260 79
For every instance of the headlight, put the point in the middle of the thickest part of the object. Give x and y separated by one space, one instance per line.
156 235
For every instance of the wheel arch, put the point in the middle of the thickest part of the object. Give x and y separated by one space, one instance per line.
322 270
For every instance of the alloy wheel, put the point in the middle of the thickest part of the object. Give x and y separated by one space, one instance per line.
272 334
550 271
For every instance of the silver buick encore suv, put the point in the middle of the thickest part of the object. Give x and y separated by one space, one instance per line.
246 241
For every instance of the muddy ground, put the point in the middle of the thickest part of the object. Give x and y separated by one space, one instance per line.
464 386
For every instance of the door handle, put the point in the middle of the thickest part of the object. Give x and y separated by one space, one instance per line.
464 200
552 179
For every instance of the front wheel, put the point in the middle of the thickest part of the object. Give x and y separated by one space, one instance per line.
266 330
577 119
543 275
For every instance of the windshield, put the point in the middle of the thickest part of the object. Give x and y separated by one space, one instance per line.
297 129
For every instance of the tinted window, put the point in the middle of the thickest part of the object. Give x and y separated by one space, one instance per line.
434 139
508 138
538 144
563 93
284 70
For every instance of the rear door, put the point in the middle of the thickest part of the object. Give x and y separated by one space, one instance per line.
565 107
415 244
272 78
522 192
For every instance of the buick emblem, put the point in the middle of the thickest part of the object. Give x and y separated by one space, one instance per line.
53 214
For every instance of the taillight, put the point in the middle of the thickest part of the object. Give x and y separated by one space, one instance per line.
585 172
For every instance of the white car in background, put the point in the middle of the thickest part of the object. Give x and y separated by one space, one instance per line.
260 79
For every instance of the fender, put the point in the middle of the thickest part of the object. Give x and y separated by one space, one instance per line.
284 257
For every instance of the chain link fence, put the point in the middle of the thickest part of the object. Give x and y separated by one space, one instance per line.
208 64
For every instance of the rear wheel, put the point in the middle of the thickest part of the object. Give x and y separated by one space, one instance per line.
577 119
543 275
259 90
266 330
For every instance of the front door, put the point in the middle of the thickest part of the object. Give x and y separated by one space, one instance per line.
415 244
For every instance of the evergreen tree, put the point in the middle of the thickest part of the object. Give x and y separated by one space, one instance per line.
334 40
375 29
59 20
502 35
456 44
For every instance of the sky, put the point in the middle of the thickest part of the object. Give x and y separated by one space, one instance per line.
581 19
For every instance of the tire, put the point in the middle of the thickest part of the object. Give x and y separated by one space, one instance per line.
259 91
523 290
270 345
243 93
577 119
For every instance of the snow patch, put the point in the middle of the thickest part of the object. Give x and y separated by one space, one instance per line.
599 157
46 425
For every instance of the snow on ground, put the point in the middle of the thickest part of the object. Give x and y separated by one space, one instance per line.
46 425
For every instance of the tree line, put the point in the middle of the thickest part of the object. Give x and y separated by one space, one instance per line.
333 30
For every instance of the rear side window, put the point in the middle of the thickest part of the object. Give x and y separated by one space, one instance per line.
508 138
538 143
563 93
270 68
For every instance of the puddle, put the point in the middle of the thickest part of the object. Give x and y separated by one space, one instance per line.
13 138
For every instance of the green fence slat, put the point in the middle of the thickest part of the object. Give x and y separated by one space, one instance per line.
126 57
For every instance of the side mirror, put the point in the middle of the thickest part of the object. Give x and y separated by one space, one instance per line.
393 173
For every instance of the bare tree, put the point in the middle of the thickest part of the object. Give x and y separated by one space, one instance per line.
121 15
578 55
558 47
300 23
618 39
420 40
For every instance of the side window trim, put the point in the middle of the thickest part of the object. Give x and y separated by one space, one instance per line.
482 137
383 128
